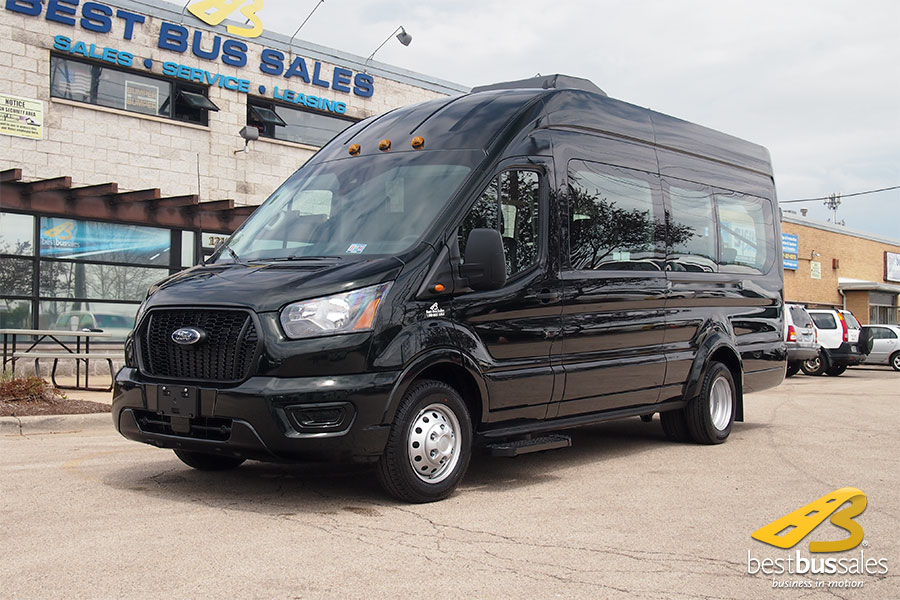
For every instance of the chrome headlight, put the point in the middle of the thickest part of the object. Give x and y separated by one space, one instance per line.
341 313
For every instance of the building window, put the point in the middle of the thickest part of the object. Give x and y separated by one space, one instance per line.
103 85
882 308
60 273
291 124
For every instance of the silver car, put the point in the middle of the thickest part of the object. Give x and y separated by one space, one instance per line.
885 345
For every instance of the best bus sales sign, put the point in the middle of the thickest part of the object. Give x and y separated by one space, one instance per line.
99 18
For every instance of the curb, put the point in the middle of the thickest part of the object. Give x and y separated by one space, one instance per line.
11 426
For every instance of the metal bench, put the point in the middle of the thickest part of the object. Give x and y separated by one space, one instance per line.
82 357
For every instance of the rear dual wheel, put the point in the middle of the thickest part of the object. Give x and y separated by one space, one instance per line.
707 418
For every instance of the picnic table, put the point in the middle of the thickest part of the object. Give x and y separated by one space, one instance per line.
61 349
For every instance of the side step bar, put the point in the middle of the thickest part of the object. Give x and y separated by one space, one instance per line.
538 444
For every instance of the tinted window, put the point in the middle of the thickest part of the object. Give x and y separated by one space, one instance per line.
510 204
800 317
613 222
824 320
745 232
691 231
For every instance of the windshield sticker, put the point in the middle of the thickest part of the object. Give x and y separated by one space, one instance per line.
356 248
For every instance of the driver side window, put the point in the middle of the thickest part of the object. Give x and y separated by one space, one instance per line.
510 204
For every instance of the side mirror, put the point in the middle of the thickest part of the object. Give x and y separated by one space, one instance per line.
485 262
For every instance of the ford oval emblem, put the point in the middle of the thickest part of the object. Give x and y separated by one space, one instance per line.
187 336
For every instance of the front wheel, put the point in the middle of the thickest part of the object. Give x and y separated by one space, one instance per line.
208 462
429 446
814 366
710 415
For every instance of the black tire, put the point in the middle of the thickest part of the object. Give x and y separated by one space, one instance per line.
674 425
710 415
895 361
208 462
836 370
816 366
793 368
428 409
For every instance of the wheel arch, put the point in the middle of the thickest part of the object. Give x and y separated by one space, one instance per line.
447 366
717 348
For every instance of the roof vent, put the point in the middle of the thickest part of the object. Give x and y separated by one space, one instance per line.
546 82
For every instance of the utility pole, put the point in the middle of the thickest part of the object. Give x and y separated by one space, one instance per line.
832 204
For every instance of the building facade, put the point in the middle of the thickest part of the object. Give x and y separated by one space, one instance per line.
121 153
832 266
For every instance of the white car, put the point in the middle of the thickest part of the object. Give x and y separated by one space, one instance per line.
885 345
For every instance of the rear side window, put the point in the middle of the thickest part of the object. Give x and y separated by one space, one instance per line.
852 323
613 223
824 320
745 232
691 231
800 317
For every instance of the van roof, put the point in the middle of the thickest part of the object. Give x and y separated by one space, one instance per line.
491 117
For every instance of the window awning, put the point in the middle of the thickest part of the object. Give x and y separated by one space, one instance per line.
266 116
197 100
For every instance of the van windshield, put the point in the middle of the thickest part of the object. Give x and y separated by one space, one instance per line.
370 205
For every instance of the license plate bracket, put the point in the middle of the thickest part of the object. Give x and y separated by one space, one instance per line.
177 401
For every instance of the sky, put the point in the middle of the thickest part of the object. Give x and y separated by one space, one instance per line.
817 83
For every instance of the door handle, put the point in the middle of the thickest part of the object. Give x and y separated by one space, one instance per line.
546 296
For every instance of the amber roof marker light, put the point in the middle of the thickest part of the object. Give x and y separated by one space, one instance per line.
418 142
354 149
384 145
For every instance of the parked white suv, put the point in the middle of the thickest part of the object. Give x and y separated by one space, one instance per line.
839 338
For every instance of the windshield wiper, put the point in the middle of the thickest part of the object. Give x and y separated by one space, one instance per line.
294 257
233 254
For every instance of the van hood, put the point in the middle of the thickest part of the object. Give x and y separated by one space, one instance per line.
266 287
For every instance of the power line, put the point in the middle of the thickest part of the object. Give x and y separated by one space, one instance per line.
895 187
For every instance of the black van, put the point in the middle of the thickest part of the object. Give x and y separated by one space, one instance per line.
477 271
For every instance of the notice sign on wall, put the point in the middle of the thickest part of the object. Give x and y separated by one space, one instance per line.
815 270
141 98
21 117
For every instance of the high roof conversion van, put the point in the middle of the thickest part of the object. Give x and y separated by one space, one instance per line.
478 271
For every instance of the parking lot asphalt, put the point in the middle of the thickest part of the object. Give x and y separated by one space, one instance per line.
623 513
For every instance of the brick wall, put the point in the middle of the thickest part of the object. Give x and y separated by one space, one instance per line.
858 258
97 145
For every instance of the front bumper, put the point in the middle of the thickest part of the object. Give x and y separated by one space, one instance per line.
300 419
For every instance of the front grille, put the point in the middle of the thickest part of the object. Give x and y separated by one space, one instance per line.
202 428
226 355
